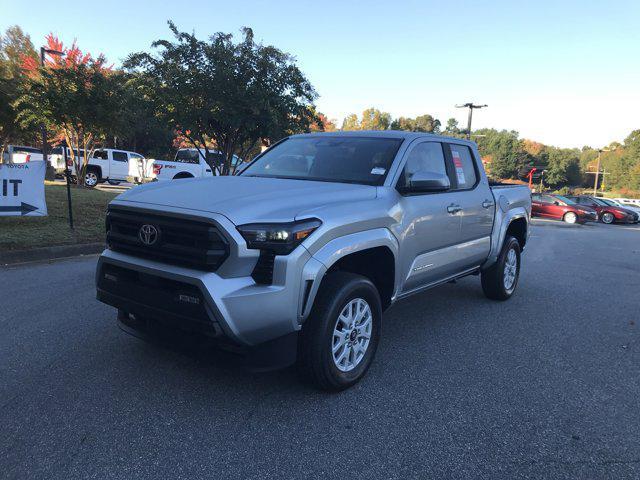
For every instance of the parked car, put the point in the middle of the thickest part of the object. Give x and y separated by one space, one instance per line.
616 203
626 202
21 154
606 213
297 256
547 205
106 164
189 163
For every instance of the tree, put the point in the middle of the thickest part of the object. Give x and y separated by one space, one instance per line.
351 122
563 167
14 46
235 94
505 149
423 123
323 124
374 119
76 95
452 128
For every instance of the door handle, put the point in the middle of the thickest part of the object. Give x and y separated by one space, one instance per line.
487 204
453 208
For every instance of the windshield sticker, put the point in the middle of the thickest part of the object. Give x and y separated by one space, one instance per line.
458 164
378 171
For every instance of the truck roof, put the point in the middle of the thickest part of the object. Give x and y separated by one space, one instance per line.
387 134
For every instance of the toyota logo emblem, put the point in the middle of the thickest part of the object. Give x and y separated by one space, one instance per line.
148 234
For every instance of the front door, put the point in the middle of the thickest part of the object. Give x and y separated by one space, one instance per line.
430 227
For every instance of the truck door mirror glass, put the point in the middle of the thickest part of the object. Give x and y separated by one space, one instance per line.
425 181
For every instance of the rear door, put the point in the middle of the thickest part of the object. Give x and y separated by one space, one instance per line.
430 226
474 197
119 165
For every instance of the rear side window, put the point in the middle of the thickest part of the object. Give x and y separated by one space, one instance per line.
120 156
101 154
426 156
463 166
187 156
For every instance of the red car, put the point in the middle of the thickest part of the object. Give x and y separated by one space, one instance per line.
558 207
607 213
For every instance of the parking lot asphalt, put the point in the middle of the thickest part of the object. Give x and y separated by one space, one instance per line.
546 385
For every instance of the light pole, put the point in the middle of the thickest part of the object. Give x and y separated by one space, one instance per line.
43 129
597 172
470 106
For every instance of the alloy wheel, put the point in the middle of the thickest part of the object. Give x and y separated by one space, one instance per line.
351 334
510 270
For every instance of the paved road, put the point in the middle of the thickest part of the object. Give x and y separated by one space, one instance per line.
544 386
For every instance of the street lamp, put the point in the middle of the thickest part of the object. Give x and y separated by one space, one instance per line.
470 106
43 129
597 172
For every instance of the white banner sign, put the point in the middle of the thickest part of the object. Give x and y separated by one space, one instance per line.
22 189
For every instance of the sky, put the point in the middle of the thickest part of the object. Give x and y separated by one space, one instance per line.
565 73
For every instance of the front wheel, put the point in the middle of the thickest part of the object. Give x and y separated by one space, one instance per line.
570 217
607 218
340 338
91 178
500 280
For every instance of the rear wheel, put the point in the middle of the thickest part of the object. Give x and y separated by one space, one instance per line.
608 218
570 217
339 339
501 279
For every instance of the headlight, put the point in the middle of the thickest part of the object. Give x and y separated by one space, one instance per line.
281 238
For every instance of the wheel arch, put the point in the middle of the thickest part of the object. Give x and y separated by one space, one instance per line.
372 254
180 175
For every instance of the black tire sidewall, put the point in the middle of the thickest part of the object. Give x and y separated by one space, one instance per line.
337 291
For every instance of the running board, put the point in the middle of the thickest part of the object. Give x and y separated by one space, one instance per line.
471 271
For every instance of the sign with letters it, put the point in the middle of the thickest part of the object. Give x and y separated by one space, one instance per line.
22 189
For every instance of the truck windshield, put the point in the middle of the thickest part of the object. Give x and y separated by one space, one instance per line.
364 160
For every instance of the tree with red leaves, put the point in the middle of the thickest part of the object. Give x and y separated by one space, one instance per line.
76 95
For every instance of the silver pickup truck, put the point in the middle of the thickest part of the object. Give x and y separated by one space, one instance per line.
295 258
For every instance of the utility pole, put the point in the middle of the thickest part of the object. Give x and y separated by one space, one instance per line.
595 184
470 106
43 129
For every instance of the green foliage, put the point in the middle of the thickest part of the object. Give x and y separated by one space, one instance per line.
563 167
372 119
15 45
423 123
83 100
507 156
233 93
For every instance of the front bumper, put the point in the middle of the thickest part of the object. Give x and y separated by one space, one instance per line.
236 308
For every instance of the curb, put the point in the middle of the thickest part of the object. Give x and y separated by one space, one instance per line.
49 253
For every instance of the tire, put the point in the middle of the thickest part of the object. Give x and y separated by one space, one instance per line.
91 178
607 218
570 217
327 361
495 284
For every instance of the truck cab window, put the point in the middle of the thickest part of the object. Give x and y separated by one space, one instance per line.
464 169
120 156
426 156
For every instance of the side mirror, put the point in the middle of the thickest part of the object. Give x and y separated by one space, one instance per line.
556 203
426 181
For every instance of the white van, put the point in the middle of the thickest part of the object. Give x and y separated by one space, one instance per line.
106 164
189 163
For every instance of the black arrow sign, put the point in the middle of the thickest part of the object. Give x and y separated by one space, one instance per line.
23 208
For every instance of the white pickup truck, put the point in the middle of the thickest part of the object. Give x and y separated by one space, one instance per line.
189 163
21 154
106 164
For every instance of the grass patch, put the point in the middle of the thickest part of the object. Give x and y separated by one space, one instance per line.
89 209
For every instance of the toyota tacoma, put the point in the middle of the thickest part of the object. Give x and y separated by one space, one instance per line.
294 259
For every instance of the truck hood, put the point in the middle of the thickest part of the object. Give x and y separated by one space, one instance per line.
248 199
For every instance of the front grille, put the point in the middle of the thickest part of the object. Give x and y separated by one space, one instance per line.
178 241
